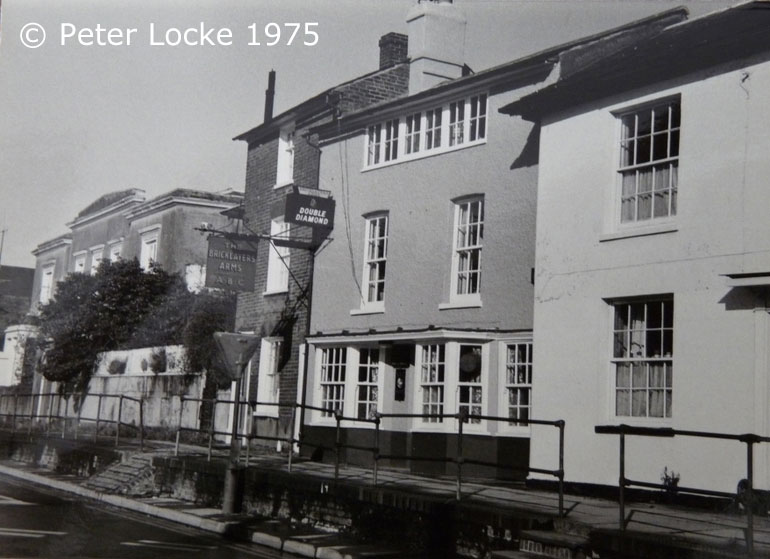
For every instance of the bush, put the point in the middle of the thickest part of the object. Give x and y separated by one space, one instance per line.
124 307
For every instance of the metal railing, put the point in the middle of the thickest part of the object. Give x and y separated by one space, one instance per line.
61 419
626 430
459 459
40 412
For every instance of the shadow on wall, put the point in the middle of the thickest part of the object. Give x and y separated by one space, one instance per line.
530 153
746 298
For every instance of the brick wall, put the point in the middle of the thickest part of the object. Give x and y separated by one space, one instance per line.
286 315
387 84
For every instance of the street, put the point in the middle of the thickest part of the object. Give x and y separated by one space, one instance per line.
35 522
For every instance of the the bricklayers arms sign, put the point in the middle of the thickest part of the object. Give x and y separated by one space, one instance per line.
315 211
231 264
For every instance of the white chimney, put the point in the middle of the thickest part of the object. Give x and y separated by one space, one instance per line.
436 43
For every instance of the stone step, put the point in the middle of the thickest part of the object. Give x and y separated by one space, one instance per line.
123 477
544 543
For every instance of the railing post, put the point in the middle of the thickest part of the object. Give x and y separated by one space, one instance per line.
750 497
622 481
560 425
376 451
211 428
117 425
462 418
50 414
98 416
141 424
77 423
337 444
32 414
179 427
64 417
290 436
15 402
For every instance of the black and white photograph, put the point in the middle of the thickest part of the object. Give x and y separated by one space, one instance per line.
393 279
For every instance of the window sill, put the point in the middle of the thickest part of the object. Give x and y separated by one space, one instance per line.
368 310
461 304
641 231
508 431
423 154
654 422
283 184
269 292
265 414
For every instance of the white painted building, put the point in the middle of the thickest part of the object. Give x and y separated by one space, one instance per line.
653 253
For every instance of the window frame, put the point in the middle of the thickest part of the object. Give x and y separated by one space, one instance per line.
374 262
667 361
439 349
456 135
95 255
413 133
79 261
149 236
115 250
268 376
284 167
372 403
440 128
278 260
505 364
460 230
623 169
476 386
47 282
339 378
452 386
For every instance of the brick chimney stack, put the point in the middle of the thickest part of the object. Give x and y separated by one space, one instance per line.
269 96
393 49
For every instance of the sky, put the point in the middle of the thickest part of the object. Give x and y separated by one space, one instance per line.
79 119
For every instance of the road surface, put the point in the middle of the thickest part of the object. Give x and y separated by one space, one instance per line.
35 522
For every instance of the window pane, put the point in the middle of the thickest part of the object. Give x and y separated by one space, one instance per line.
623 375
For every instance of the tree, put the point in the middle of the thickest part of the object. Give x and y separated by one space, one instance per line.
124 307
94 313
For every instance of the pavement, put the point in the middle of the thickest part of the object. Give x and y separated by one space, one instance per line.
692 527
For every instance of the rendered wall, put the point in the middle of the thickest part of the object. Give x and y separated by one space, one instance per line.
418 195
720 364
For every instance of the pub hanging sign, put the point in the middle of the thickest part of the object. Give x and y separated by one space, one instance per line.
231 264
314 211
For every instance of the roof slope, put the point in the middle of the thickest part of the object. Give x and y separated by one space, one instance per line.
720 37
108 200
571 58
